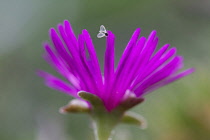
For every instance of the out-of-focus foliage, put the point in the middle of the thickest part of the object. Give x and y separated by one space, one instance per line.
29 110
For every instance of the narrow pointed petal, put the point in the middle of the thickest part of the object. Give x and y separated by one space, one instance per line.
131 72
164 72
109 64
55 83
171 79
158 55
61 67
152 64
93 57
147 72
60 48
70 33
127 52
148 49
55 60
91 83
137 67
73 49
121 65
125 77
144 58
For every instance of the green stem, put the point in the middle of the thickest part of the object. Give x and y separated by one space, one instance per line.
103 129
102 134
104 123
103 120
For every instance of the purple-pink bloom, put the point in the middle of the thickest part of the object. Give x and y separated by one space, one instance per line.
140 70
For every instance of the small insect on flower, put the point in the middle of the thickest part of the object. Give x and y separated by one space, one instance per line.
102 32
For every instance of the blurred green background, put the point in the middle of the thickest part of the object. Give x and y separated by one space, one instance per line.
29 109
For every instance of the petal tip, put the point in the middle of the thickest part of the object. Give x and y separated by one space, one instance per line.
52 32
138 30
66 22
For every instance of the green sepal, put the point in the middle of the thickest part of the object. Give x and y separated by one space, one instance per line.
75 106
129 103
134 119
93 99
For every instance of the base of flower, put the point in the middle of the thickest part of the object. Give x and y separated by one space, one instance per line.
104 121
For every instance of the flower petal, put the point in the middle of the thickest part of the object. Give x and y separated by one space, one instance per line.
170 68
109 64
91 83
93 58
127 52
151 68
170 80
60 48
55 83
70 33
115 95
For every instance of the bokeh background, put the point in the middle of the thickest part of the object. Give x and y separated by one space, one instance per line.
29 109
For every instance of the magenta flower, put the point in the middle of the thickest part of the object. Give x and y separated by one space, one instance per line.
140 70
